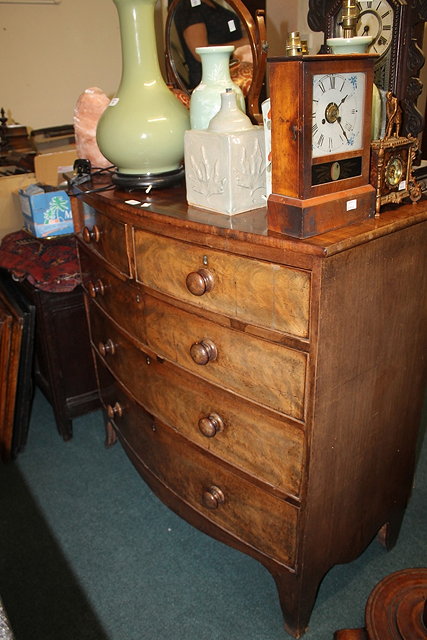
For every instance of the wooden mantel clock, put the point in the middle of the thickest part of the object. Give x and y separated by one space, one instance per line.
320 143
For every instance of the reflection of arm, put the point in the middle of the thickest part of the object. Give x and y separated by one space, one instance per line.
196 35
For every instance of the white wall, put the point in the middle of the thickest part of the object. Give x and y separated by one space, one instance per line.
284 16
51 53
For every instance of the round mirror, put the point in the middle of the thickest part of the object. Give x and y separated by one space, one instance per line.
198 23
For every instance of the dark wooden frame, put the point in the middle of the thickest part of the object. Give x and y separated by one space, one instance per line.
256 31
406 57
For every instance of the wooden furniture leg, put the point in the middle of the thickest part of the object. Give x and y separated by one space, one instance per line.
297 595
389 532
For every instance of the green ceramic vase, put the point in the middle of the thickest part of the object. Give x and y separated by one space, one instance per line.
206 98
142 130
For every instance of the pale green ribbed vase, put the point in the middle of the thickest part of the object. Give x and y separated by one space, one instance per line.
142 130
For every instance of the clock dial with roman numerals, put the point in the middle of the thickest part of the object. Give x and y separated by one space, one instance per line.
338 110
376 20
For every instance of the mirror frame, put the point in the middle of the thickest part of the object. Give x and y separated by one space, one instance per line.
257 39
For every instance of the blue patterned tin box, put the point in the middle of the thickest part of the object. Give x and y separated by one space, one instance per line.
46 213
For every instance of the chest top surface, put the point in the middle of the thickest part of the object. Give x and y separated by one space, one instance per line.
166 212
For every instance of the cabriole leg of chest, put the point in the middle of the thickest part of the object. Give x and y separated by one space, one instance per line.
297 595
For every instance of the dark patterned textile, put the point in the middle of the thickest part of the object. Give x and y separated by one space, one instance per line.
50 265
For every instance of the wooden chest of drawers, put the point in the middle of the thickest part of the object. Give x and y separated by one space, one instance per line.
268 389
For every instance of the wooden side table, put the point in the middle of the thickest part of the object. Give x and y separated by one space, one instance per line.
45 272
63 367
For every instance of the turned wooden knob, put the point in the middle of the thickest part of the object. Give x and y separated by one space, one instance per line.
96 288
114 411
106 348
210 425
200 282
91 235
213 497
203 352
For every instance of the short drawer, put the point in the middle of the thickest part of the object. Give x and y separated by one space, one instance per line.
242 433
117 296
260 293
233 503
265 372
105 236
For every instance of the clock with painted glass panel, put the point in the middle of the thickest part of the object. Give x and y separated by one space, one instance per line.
338 108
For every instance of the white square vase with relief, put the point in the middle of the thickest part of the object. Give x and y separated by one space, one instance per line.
225 172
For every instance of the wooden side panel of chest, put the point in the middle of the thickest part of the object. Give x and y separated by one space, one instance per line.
371 372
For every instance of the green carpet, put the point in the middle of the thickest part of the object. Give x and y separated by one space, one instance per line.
89 553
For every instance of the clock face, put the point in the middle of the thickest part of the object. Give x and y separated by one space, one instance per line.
376 20
338 110
394 171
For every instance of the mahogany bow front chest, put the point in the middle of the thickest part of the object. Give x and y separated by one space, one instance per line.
267 389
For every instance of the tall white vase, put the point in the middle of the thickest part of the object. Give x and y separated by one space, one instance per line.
206 98
142 130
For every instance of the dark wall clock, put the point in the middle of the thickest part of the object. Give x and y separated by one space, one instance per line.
396 27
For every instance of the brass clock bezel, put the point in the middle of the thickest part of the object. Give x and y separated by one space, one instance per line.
393 176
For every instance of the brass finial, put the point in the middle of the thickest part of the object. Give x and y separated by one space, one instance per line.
293 44
304 47
350 16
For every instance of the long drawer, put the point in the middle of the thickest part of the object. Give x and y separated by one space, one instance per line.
116 295
249 290
242 433
262 371
243 509
106 236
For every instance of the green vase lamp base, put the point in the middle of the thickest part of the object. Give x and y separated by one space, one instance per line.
129 181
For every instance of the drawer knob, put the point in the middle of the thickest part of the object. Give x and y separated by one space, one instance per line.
213 497
200 282
96 288
91 235
210 425
107 348
114 411
204 351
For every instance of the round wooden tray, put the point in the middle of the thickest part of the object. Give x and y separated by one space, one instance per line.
396 609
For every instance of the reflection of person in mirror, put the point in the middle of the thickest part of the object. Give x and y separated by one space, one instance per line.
202 23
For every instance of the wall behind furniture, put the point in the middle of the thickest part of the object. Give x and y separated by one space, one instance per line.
284 17
51 53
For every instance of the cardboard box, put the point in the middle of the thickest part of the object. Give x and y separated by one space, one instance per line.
10 207
47 214
50 167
